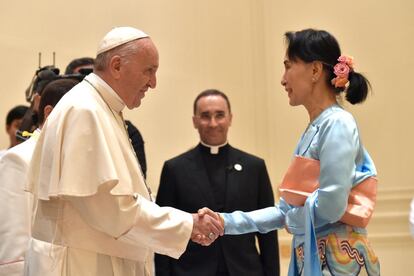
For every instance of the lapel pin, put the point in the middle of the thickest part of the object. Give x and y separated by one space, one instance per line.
238 167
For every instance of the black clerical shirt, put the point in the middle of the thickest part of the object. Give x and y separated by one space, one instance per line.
217 169
216 166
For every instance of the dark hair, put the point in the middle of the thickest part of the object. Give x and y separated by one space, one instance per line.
210 92
16 113
52 93
43 76
317 45
70 69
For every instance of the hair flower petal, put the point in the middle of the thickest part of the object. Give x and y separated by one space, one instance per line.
348 60
339 82
341 70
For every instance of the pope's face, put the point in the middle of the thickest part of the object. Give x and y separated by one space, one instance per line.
212 119
138 73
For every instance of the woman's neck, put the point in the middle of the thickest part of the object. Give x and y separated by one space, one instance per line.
318 105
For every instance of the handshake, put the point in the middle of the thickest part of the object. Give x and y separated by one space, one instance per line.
207 226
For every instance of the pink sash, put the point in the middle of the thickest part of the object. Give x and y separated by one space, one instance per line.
302 178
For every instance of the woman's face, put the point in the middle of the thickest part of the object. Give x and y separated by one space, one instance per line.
297 80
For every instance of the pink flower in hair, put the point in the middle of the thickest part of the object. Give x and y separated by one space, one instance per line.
348 60
341 70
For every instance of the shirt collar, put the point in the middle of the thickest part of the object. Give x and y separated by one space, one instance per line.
106 91
214 149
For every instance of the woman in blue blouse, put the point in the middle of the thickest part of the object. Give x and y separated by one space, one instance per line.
328 193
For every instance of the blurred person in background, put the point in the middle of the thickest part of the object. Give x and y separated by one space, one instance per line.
13 122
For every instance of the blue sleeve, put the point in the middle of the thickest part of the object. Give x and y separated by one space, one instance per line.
338 146
262 220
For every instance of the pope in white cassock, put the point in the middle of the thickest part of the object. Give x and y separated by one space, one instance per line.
94 215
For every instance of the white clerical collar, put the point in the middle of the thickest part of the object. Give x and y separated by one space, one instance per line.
109 95
214 149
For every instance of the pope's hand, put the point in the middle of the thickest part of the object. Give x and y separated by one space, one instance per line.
215 228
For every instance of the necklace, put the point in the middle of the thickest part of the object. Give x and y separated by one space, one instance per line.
126 132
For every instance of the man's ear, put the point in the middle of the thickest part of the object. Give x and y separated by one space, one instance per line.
115 66
47 110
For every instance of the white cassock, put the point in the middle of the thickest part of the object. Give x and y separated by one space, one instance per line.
93 214
15 206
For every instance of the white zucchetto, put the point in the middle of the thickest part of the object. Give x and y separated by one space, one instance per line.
118 36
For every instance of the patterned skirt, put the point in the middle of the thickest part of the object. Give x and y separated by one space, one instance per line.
342 254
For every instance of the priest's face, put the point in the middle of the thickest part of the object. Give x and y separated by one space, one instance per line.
138 73
212 119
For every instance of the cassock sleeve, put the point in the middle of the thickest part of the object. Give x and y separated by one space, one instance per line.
135 220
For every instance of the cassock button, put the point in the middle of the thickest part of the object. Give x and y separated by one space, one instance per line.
238 167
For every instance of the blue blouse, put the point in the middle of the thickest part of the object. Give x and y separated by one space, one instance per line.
333 139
